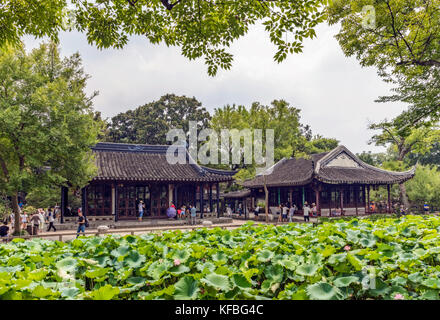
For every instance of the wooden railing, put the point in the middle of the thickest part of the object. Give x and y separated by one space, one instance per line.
116 231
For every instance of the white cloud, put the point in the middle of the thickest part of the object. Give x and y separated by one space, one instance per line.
335 94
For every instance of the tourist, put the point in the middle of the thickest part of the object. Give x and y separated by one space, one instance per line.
279 212
292 211
141 207
228 211
171 211
24 220
426 208
257 210
57 213
240 209
284 213
402 210
51 220
193 214
188 212
306 211
35 219
314 210
4 229
81 224
41 216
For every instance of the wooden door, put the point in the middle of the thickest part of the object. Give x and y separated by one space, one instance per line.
159 200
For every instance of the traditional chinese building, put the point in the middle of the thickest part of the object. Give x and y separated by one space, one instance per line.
128 173
335 180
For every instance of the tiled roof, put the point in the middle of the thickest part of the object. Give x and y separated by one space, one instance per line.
130 162
338 166
287 172
236 194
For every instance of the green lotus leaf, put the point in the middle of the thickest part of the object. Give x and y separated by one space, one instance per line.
219 256
42 292
415 277
432 283
217 281
307 270
323 291
182 255
96 273
264 255
430 295
67 264
240 281
337 258
70 293
106 292
157 269
134 259
120 251
177 270
343 282
186 289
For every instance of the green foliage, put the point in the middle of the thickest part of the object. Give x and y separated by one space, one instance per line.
202 29
149 124
425 186
291 138
343 259
46 120
374 159
404 45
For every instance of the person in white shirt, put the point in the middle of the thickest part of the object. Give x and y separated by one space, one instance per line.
306 211
41 216
291 212
284 212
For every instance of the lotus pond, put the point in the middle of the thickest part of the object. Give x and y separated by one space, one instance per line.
357 259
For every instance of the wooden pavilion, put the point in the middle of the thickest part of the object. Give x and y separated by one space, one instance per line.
128 173
335 181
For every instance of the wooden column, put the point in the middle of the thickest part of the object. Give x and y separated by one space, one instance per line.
356 196
389 198
64 201
84 201
195 197
364 197
202 191
175 196
291 196
368 199
318 206
341 198
217 187
116 204
330 201
210 198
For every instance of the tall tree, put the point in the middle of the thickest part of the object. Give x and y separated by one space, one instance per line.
403 142
200 28
46 122
402 40
292 139
150 123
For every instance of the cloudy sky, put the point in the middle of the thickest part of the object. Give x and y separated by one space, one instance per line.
335 94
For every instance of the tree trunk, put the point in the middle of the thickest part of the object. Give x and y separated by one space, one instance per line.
266 199
16 210
403 195
402 153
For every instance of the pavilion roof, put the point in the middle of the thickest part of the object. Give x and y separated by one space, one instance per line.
141 162
339 166
236 194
